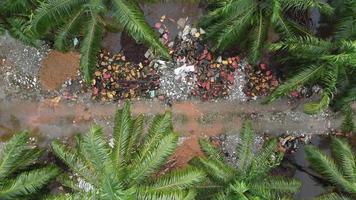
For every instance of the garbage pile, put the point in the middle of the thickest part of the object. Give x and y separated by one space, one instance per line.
290 144
196 71
261 81
115 78
305 92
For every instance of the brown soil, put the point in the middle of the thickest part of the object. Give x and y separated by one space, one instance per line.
57 67
55 118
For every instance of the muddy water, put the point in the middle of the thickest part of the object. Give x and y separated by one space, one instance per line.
173 11
310 187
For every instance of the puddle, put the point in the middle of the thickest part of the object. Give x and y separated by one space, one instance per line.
116 42
310 186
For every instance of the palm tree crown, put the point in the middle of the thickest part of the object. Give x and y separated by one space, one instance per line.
321 61
16 156
339 170
250 180
127 169
247 22
91 15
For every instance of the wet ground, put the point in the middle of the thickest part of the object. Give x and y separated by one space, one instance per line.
26 102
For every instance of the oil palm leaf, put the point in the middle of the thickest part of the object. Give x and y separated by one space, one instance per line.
339 169
334 63
232 22
15 179
130 17
127 168
250 180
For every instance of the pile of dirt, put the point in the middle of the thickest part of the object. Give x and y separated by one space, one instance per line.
57 67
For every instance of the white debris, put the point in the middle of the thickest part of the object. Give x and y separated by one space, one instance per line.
182 71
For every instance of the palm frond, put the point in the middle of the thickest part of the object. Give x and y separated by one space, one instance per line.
11 154
68 30
258 36
233 29
315 107
304 5
265 160
96 150
276 10
333 196
154 159
111 188
122 128
296 81
51 11
128 14
160 126
210 151
346 28
348 124
73 161
29 182
177 180
16 6
244 148
172 195
90 48
329 80
217 171
302 47
19 29
344 157
134 140
278 185
326 167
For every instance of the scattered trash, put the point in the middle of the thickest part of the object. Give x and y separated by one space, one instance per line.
116 78
181 72
261 81
305 92
290 143
196 72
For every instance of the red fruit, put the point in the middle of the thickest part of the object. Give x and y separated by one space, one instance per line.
208 86
268 73
106 75
231 78
294 94
235 65
158 25
263 66
95 91
209 57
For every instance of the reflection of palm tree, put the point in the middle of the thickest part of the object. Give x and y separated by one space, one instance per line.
16 182
128 168
250 180
340 170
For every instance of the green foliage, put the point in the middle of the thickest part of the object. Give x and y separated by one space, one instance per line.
251 179
76 17
339 170
321 61
14 17
247 22
127 168
345 19
16 179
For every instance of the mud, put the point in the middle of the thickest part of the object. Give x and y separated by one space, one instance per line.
58 67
